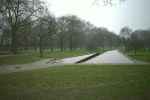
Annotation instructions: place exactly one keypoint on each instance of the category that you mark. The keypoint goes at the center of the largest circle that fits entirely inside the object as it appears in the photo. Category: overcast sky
(132, 13)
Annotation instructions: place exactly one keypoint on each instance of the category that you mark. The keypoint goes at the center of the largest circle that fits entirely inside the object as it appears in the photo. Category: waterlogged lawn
(78, 82)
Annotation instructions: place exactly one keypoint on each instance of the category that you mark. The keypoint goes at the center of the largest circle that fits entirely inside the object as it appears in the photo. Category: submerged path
(112, 57)
(41, 64)
(109, 57)
(73, 60)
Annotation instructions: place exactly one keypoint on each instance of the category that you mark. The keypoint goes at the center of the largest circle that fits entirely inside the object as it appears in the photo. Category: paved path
(112, 57)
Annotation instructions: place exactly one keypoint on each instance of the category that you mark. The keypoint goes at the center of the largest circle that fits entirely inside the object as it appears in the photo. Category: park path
(112, 57)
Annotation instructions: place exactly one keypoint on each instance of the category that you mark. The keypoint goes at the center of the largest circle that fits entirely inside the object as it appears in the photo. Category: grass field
(34, 56)
(78, 82)
(18, 59)
(140, 55)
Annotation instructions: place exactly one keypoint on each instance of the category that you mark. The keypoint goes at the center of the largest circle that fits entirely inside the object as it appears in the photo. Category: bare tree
(52, 29)
(15, 14)
(125, 35)
(62, 29)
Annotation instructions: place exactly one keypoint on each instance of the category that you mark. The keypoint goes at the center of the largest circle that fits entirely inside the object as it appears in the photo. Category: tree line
(27, 24)
(135, 40)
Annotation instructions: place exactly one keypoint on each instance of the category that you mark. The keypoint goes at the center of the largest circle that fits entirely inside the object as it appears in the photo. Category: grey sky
(132, 13)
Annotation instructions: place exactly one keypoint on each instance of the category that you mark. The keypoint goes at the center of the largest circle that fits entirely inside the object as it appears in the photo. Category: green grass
(18, 59)
(78, 82)
(34, 56)
(140, 55)
(64, 54)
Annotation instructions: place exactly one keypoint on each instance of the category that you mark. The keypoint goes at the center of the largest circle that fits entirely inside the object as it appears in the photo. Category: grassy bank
(140, 55)
(28, 57)
(78, 82)
(31, 56)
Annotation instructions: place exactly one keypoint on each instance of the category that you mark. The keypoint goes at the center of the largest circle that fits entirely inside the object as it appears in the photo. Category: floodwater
(73, 60)
(110, 57)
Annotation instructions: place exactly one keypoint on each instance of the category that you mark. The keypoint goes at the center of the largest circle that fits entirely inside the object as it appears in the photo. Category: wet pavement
(111, 57)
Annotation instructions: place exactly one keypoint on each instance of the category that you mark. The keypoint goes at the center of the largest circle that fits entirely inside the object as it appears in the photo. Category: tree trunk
(71, 43)
(52, 49)
(14, 46)
(61, 45)
(1, 42)
(52, 45)
(35, 48)
(134, 51)
(40, 46)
